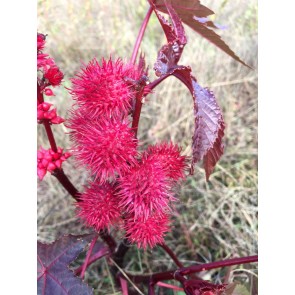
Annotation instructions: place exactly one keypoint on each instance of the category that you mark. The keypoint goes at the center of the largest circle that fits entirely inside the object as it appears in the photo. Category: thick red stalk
(177, 273)
(92, 259)
(172, 255)
(85, 264)
(137, 111)
(140, 35)
(46, 124)
(66, 183)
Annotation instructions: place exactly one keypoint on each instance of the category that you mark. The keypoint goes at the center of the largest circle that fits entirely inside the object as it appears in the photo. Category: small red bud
(57, 120)
(48, 157)
(40, 115)
(48, 92)
(44, 163)
(56, 156)
(58, 163)
(41, 173)
(67, 155)
(51, 167)
(46, 106)
(40, 154)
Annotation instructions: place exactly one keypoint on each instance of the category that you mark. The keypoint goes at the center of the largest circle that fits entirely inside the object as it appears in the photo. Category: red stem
(140, 35)
(85, 264)
(172, 255)
(108, 239)
(46, 123)
(50, 135)
(66, 183)
(92, 259)
(177, 273)
(137, 111)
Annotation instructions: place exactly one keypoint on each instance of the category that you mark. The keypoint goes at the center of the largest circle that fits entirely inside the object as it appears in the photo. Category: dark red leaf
(209, 128)
(167, 59)
(167, 27)
(189, 11)
(177, 23)
(54, 275)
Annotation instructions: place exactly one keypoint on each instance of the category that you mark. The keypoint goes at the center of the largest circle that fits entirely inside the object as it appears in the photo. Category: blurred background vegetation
(214, 220)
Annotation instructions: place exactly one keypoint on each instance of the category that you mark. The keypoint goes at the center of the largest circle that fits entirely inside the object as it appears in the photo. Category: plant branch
(118, 257)
(108, 239)
(92, 259)
(66, 183)
(177, 273)
(140, 35)
(137, 110)
(172, 255)
(85, 264)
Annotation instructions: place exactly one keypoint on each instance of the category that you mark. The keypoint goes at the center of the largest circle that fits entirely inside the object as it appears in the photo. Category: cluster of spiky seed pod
(128, 188)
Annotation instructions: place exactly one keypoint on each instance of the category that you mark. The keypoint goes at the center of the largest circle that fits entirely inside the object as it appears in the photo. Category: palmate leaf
(192, 12)
(54, 276)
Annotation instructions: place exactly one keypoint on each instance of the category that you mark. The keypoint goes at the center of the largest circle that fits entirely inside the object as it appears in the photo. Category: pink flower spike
(99, 206)
(48, 92)
(48, 160)
(44, 112)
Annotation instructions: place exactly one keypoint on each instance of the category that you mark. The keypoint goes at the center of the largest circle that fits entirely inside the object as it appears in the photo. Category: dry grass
(215, 220)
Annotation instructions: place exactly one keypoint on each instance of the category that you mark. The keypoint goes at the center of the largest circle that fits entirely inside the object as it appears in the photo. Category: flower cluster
(48, 160)
(130, 188)
(44, 112)
(49, 75)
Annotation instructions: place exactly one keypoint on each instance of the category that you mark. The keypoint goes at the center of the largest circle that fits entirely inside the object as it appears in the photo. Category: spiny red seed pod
(98, 206)
(146, 231)
(48, 160)
(201, 287)
(103, 89)
(105, 146)
(145, 190)
(169, 155)
(53, 75)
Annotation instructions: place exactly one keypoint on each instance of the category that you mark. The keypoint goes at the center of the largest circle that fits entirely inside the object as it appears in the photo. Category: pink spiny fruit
(98, 206)
(103, 90)
(201, 287)
(146, 231)
(105, 146)
(168, 154)
(145, 189)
